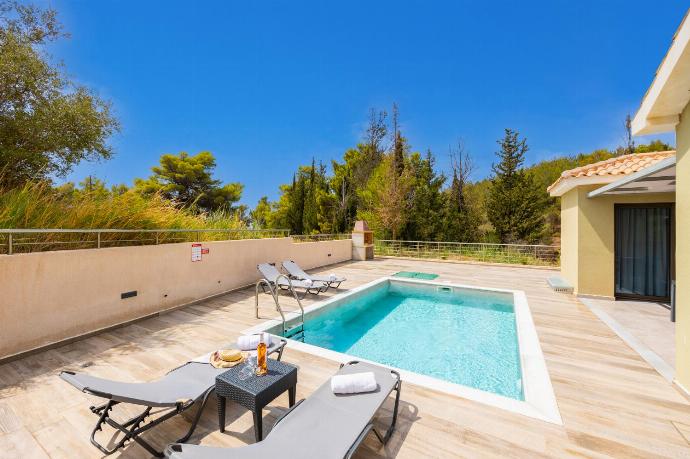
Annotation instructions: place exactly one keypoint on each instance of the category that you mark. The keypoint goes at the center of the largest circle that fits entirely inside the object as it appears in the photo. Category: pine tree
(515, 205)
(188, 181)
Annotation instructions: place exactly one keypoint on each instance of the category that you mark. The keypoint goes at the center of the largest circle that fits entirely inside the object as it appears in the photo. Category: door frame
(672, 249)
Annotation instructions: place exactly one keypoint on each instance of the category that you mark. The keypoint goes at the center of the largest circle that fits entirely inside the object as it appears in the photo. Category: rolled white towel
(308, 282)
(353, 383)
(250, 342)
(332, 276)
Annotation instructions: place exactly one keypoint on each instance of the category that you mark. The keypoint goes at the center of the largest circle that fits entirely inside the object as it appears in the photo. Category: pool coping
(540, 400)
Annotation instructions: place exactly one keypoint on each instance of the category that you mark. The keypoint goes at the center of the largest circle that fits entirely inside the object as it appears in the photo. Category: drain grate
(415, 275)
(558, 284)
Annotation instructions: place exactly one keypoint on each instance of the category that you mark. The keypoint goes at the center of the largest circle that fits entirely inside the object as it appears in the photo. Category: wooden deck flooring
(612, 403)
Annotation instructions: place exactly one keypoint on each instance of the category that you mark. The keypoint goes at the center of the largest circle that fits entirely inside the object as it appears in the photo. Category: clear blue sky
(266, 86)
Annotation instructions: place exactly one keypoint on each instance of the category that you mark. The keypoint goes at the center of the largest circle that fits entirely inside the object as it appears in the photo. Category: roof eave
(658, 125)
(650, 117)
(567, 184)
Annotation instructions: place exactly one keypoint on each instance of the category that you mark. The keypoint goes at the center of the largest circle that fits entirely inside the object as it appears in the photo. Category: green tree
(310, 218)
(89, 188)
(460, 218)
(425, 221)
(344, 186)
(93, 187)
(306, 206)
(399, 144)
(188, 181)
(48, 123)
(399, 154)
(278, 218)
(386, 199)
(354, 172)
(119, 189)
(515, 206)
(295, 200)
(261, 214)
(654, 145)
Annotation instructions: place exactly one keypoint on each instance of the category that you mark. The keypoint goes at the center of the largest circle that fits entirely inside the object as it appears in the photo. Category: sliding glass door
(643, 251)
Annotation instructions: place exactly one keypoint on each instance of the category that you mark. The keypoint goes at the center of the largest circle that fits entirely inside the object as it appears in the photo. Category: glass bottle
(261, 365)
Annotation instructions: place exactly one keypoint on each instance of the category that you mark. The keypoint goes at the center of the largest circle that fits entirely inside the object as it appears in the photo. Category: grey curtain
(643, 251)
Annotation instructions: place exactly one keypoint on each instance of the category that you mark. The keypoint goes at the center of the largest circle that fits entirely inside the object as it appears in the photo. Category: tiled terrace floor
(612, 403)
(648, 322)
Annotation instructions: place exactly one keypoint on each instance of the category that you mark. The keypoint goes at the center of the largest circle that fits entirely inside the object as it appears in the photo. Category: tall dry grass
(39, 205)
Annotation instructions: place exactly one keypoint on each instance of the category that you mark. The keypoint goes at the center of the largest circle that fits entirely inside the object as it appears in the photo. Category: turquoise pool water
(464, 336)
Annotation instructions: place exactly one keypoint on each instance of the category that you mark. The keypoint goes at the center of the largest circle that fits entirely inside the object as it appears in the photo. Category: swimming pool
(474, 342)
(464, 336)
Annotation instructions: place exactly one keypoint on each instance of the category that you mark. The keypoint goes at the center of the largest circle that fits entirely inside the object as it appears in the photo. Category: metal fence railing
(15, 241)
(320, 237)
(543, 255)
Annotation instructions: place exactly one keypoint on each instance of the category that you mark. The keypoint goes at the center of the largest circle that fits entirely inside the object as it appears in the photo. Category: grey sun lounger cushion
(271, 274)
(323, 426)
(295, 271)
(183, 384)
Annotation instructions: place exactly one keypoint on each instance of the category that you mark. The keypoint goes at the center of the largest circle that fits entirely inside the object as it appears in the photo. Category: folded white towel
(250, 342)
(332, 276)
(354, 383)
(308, 282)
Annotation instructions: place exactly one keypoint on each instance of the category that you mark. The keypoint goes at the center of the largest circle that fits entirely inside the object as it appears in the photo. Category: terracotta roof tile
(620, 165)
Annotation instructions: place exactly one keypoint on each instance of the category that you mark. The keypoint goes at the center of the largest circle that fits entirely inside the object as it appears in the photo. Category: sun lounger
(325, 425)
(275, 277)
(186, 386)
(298, 273)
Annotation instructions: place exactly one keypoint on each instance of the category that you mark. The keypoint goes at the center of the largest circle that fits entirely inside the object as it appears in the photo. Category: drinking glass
(246, 372)
(248, 369)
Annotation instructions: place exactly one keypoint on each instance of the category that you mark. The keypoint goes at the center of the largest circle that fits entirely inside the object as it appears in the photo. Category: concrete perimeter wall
(53, 296)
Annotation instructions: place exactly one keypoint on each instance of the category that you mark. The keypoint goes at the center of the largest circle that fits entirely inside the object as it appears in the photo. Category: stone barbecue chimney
(362, 241)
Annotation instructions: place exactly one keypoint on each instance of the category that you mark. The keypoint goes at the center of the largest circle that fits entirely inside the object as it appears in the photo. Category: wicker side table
(256, 392)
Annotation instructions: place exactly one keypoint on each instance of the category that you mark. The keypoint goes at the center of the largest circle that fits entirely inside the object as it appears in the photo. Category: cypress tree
(398, 145)
(399, 154)
(295, 215)
(311, 222)
(515, 205)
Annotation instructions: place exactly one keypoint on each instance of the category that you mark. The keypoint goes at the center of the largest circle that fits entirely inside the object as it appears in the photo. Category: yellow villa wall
(587, 238)
(683, 250)
(569, 239)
